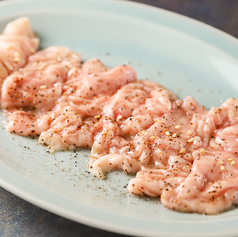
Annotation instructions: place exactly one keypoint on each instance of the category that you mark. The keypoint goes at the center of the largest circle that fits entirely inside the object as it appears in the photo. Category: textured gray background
(20, 218)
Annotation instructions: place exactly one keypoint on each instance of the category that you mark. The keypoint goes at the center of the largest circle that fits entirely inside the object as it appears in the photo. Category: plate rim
(16, 186)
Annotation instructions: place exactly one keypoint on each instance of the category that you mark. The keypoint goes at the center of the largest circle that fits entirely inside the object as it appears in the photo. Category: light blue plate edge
(41, 196)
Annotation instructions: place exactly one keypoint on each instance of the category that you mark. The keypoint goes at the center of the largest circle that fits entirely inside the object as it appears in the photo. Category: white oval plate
(186, 56)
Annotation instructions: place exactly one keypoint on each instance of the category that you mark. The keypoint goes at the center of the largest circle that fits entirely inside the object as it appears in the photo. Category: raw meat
(176, 148)
(17, 43)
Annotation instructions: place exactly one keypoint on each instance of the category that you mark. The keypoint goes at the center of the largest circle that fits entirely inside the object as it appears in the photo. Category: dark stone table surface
(20, 218)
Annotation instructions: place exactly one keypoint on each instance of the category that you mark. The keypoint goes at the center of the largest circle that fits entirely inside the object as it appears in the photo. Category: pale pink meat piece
(129, 114)
(210, 188)
(110, 151)
(27, 123)
(141, 131)
(140, 98)
(202, 177)
(20, 26)
(85, 92)
(112, 162)
(17, 43)
(36, 87)
(39, 84)
(154, 182)
(67, 130)
(86, 85)
(94, 65)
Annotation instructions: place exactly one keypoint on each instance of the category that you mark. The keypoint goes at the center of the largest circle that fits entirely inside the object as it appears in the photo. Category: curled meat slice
(17, 43)
(107, 163)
